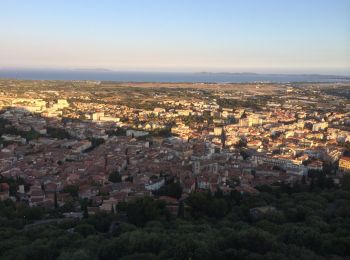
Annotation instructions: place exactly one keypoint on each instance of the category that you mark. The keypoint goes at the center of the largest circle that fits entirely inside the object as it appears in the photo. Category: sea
(200, 77)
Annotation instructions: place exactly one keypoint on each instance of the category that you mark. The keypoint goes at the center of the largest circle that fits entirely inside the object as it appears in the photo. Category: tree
(303, 180)
(31, 135)
(85, 229)
(32, 213)
(79, 254)
(181, 212)
(73, 190)
(204, 204)
(173, 190)
(118, 132)
(58, 133)
(346, 182)
(55, 201)
(85, 213)
(95, 142)
(101, 221)
(219, 193)
(218, 208)
(146, 209)
(115, 177)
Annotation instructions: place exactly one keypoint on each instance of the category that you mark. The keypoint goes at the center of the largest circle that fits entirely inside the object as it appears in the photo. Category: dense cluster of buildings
(207, 146)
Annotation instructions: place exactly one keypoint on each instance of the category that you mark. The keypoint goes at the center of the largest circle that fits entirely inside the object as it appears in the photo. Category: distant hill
(275, 75)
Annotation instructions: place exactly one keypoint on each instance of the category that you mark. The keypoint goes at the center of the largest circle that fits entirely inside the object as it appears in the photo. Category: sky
(263, 36)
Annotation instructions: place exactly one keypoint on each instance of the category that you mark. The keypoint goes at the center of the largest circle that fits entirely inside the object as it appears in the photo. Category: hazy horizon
(142, 76)
(107, 70)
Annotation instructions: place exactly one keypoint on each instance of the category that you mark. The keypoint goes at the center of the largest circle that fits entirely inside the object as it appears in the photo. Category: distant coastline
(173, 77)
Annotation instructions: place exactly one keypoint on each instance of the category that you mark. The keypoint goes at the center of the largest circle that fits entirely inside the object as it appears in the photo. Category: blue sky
(280, 36)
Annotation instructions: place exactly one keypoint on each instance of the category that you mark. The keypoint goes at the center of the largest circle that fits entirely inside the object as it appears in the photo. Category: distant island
(274, 74)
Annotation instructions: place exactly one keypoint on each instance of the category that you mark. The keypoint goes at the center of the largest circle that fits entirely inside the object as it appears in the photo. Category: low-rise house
(36, 195)
(155, 184)
(109, 205)
(87, 192)
(4, 191)
(81, 146)
(344, 164)
(172, 204)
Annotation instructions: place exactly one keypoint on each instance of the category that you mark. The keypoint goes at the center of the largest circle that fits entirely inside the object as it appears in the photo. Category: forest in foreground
(303, 222)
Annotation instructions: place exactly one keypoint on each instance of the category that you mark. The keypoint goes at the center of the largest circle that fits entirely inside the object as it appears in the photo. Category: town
(175, 130)
(109, 143)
